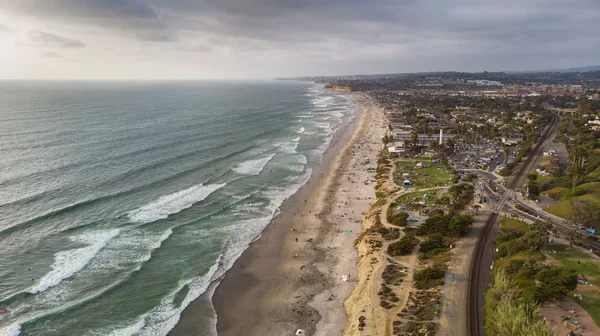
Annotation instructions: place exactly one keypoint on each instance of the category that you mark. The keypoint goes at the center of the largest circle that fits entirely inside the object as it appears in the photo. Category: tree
(579, 155)
(402, 247)
(460, 225)
(435, 241)
(533, 189)
(555, 282)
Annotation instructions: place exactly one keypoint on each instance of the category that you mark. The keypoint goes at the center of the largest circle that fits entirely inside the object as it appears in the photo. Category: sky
(223, 39)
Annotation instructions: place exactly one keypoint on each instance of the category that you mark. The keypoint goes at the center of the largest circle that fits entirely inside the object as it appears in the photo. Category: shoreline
(284, 280)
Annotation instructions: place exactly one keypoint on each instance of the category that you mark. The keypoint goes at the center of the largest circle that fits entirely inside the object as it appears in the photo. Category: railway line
(474, 302)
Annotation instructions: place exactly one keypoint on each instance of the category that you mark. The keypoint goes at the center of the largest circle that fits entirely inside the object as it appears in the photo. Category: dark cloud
(135, 18)
(41, 38)
(352, 31)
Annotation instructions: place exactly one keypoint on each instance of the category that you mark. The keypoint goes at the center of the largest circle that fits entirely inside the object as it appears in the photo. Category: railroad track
(475, 273)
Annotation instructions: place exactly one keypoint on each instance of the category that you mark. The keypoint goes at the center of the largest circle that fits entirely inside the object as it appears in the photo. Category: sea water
(121, 202)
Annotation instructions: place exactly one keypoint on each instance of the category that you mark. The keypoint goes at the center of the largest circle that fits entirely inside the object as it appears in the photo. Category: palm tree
(578, 157)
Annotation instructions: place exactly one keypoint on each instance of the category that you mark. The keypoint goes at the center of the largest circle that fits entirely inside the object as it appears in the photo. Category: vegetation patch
(404, 246)
(426, 175)
(562, 209)
(589, 268)
(447, 225)
(430, 277)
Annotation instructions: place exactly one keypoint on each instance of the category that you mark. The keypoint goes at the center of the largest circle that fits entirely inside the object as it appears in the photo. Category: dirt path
(453, 319)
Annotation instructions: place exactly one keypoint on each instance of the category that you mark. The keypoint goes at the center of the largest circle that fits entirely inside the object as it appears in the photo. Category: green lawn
(417, 196)
(511, 224)
(436, 175)
(564, 207)
(561, 209)
(594, 174)
(541, 179)
(519, 256)
(590, 269)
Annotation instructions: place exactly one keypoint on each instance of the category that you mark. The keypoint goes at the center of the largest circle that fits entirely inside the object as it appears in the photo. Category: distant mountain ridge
(577, 69)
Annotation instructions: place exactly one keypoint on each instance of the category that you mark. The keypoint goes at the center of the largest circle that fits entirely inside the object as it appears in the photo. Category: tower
(441, 136)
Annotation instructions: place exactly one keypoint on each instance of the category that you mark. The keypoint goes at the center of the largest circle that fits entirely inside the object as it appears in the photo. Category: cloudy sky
(189, 39)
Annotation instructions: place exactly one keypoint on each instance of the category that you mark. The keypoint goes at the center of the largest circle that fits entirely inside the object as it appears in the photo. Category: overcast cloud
(267, 38)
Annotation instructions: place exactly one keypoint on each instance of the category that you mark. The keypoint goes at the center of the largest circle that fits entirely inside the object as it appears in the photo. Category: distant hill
(582, 69)
(569, 70)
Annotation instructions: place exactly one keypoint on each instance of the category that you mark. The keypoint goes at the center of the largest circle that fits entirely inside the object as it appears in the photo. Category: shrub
(402, 247)
(555, 282)
(400, 219)
(577, 191)
(430, 277)
(435, 241)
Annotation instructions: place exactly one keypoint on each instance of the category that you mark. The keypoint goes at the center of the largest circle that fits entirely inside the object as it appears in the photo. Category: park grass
(592, 193)
(436, 175)
(594, 174)
(541, 179)
(590, 269)
(511, 224)
(519, 256)
(433, 193)
(562, 209)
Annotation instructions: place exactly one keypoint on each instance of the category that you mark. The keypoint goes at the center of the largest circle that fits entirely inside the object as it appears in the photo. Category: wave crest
(173, 203)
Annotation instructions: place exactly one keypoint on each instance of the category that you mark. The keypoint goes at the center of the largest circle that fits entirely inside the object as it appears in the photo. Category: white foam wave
(163, 318)
(295, 168)
(296, 139)
(305, 116)
(288, 147)
(67, 263)
(299, 120)
(252, 167)
(301, 130)
(129, 330)
(301, 159)
(336, 114)
(11, 330)
(323, 125)
(322, 100)
(173, 203)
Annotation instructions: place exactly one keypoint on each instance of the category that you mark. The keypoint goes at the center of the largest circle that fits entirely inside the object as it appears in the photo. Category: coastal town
(485, 208)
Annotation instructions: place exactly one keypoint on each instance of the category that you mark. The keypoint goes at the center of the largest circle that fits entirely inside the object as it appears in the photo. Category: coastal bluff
(339, 88)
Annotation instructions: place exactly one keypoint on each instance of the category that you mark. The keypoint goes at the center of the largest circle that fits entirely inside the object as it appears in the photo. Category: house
(396, 147)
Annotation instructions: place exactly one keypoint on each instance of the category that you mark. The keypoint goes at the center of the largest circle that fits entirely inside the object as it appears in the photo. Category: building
(423, 140)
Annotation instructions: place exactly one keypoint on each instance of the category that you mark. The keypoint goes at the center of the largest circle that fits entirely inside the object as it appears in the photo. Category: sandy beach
(302, 268)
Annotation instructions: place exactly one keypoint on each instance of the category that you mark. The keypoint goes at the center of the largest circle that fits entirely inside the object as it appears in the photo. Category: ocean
(122, 202)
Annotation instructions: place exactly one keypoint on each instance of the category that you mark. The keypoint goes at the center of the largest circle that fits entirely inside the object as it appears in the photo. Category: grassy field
(590, 269)
(562, 209)
(594, 174)
(436, 175)
(417, 196)
(511, 224)
(541, 179)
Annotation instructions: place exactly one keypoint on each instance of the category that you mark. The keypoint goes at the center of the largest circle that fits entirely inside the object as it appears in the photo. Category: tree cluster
(446, 225)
